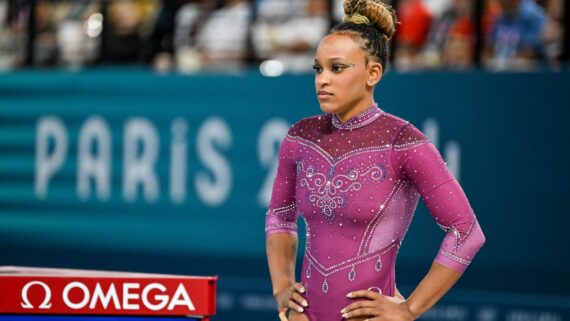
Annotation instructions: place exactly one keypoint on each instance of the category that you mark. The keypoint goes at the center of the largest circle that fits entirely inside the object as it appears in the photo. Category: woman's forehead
(338, 47)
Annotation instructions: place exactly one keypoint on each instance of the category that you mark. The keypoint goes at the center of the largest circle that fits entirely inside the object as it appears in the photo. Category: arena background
(210, 143)
(121, 168)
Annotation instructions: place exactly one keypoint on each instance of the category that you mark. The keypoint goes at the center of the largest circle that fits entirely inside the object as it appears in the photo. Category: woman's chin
(327, 107)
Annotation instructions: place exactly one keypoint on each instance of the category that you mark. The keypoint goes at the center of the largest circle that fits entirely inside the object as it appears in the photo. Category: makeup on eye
(335, 67)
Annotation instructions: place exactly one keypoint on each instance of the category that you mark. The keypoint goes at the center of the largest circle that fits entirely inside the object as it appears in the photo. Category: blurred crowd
(276, 35)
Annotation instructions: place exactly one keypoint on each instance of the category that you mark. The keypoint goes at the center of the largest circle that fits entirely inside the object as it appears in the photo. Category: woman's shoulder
(393, 119)
(404, 131)
(310, 124)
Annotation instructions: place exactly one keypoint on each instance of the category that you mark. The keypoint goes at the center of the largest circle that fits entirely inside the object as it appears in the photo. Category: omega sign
(153, 296)
(119, 296)
(30, 290)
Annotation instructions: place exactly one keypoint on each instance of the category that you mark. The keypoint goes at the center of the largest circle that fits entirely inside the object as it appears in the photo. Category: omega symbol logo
(46, 304)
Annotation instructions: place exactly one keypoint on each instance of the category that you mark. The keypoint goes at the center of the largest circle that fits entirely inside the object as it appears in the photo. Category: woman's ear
(374, 73)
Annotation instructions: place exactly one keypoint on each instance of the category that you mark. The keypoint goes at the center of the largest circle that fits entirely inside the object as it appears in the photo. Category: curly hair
(371, 23)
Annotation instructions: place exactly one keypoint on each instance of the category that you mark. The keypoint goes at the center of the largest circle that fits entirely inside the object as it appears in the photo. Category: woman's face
(342, 77)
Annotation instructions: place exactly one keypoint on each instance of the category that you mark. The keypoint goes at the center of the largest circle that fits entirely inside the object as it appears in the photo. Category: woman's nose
(323, 80)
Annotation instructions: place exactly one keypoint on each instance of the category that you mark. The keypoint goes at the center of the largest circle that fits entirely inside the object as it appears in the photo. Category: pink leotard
(357, 185)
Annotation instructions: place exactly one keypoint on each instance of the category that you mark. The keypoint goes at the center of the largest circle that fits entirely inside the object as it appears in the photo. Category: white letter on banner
(46, 165)
(139, 167)
(213, 192)
(83, 288)
(270, 138)
(159, 297)
(181, 297)
(95, 132)
(105, 299)
(128, 296)
(178, 156)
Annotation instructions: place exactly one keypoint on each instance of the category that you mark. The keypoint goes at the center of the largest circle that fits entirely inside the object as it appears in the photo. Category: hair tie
(357, 18)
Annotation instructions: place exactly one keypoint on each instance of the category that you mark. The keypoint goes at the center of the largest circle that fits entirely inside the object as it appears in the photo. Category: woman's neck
(345, 116)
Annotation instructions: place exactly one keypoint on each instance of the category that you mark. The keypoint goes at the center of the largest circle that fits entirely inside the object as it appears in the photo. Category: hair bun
(377, 13)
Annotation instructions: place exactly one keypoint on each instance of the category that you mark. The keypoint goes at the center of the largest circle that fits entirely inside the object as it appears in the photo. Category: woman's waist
(371, 270)
(331, 259)
(328, 293)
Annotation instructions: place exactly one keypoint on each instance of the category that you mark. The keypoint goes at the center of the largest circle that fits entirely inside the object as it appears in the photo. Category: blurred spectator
(45, 43)
(160, 43)
(278, 11)
(415, 21)
(66, 33)
(78, 25)
(516, 37)
(13, 27)
(197, 35)
(553, 35)
(130, 25)
(293, 42)
(338, 10)
(438, 7)
(450, 42)
(188, 22)
(492, 13)
(173, 40)
(221, 42)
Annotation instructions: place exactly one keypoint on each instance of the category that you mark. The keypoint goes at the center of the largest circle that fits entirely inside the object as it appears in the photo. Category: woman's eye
(337, 68)
(317, 69)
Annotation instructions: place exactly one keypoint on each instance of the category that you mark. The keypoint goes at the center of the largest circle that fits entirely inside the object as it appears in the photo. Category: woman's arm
(434, 285)
(281, 232)
(281, 251)
(416, 160)
(281, 256)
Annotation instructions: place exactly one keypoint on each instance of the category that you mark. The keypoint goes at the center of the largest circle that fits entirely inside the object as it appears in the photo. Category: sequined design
(348, 264)
(281, 218)
(328, 192)
(363, 254)
(357, 185)
(360, 120)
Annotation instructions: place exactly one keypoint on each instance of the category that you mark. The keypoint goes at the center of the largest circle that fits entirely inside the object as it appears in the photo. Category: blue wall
(216, 138)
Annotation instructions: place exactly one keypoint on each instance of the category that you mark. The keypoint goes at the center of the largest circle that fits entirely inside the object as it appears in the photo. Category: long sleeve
(416, 159)
(282, 213)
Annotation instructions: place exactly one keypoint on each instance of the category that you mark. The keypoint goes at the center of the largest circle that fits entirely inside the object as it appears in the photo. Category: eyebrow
(334, 59)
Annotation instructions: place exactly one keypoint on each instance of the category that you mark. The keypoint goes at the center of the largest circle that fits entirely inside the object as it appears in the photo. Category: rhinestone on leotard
(325, 286)
(352, 274)
(378, 264)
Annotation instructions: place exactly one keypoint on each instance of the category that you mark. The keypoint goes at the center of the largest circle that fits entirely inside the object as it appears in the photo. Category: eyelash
(318, 69)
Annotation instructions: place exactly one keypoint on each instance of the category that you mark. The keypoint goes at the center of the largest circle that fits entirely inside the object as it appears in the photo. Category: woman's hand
(378, 307)
(291, 298)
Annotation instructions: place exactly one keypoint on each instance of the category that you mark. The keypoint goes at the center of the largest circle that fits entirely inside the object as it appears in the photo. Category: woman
(355, 175)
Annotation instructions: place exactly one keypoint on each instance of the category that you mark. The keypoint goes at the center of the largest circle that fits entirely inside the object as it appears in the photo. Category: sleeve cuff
(280, 230)
(451, 262)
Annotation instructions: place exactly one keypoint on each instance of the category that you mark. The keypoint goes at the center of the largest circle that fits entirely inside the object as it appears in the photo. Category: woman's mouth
(323, 94)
